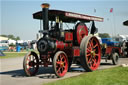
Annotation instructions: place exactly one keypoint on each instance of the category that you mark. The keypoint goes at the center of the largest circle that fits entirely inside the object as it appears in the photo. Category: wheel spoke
(91, 43)
(94, 63)
(91, 64)
(27, 64)
(97, 54)
(88, 51)
(28, 59)
(94, 50)
(62, 69)
(58, 71)
(64, 62)
(62, 58)
(95, 46)
(89, 59)
(88, 55)
(28, 68)
(59, 58)
(58, 62)
(57, 66)
(94, 60)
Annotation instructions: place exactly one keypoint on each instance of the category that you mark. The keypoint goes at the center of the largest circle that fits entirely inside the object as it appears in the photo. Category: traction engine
(60, 47)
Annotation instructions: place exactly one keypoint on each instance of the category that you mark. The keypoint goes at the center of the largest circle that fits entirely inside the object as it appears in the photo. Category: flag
(111, 10)
(94, 10)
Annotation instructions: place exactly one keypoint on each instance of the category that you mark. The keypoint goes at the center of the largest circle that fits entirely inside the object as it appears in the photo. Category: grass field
(13, 54)
(113, 76)
(16, 54)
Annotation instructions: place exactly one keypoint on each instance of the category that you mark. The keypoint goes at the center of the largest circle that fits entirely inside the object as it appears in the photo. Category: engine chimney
(45, 7)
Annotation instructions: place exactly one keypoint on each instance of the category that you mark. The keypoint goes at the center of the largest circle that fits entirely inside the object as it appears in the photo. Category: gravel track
(11, 72)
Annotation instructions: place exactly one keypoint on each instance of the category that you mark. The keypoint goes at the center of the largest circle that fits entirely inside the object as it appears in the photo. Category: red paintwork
(93, 60)
(109, 49)
(81, 16)
(82, 31)
(68, 36)
(61, 45)
(76, 51)
(62, 65)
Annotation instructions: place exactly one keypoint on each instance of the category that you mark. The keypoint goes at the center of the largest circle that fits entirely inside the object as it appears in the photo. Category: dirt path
(11, 72)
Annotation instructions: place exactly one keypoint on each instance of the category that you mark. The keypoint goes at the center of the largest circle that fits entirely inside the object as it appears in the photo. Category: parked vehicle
(124, 48)
(4, 45)
(111, 50)
(58, 47)
(110, 42)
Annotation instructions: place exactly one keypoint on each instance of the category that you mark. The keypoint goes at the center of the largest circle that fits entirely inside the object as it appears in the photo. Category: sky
(16, 15)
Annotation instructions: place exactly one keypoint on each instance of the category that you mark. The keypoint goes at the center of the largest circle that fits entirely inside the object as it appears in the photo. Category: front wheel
(31, 64)
(60, 64)
(115, 58)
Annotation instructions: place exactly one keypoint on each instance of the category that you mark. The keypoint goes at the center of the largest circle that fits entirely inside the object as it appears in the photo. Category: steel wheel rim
(93, 53)
(31, 64)
(61, 64)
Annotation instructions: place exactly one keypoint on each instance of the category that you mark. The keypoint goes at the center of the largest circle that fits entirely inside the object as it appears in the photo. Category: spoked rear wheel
(60, 64)
(90, 53)
(31, 64)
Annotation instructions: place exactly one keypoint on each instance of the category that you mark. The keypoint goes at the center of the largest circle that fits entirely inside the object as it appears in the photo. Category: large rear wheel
(90, 53)
(60, 64)
(31, 64)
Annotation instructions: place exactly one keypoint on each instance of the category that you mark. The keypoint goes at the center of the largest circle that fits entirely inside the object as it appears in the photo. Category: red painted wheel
(90, 53)
(31, 64)
(60, 64)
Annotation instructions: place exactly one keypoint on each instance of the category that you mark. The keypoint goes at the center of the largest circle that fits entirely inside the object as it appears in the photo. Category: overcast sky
(16, 15)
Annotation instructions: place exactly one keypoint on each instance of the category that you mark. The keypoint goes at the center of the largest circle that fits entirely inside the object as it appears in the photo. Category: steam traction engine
(60, 47)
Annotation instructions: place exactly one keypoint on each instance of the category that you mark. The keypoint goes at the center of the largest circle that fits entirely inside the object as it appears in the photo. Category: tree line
(104, 35)
(11, 37)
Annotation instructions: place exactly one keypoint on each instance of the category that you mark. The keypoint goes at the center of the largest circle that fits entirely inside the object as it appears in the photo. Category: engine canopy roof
(68, 17)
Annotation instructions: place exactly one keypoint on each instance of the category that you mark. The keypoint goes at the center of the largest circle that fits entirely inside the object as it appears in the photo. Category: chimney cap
(45, 5)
